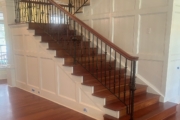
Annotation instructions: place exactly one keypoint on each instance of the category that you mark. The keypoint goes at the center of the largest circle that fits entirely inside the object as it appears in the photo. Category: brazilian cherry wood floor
(16, 104)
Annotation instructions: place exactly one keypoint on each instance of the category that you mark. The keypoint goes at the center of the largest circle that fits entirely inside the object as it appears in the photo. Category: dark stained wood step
(99, 74)
(79, 51)
(54, 33)
(94, 82)
(81, 58)
(37, 26)
(110, 98)
(141, 101)
(158, 111)
(62, 39)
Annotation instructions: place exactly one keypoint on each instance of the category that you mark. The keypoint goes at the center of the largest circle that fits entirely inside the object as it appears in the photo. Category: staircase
(110, 70)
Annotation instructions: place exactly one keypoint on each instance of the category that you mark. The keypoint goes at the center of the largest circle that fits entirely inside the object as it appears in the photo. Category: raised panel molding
(123, 5)
(153, 3)
(152, 34)
(101, 6)
(102, 26)
(85, 100)
(124, 32)
(20, 68)
(48, 82)
(175, 39)
(153, 73)
(18, 42)
(30, 45)
(33, 71)
(87, 22)
(177, 2)
(67, 88)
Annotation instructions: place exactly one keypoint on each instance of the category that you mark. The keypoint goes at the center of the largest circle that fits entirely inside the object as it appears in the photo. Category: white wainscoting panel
(102, 26)
(33, 71)
(154, 71)
(153, 3)
(31, 45)
(102, 7)
(18, 42)
(48, 75)
(152, 34)
(124, 32)
(20, 68)
(123, 5)
(67, 87)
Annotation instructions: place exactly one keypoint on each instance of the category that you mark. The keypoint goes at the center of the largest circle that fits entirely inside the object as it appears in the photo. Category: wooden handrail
(116, 48)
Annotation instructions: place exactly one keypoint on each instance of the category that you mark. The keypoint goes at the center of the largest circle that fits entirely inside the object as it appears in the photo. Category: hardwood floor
(16, 104)
(177, 116)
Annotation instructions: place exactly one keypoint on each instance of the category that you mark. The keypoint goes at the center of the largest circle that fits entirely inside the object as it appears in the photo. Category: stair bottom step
(158, 111)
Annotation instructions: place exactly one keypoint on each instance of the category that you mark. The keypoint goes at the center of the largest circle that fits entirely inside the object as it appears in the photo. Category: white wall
(39, 72)
(3, 73)
(7, 7)
(173, 76)
(141, 28)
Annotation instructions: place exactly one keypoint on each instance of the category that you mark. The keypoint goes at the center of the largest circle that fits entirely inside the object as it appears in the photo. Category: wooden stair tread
(107, 93)
(138, 86)
(80, 73)
(116, 106)
(149, 113)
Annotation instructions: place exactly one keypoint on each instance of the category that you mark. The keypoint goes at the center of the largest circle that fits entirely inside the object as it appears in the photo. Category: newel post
(132, 90)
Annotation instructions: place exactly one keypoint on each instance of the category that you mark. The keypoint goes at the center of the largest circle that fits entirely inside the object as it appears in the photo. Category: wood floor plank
(16, 104)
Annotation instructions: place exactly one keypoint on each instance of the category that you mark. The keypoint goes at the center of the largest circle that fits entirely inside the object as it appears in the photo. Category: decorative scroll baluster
(115, 73)
(89, 51)
(93, 54)
(119, 76)
(125, 80)
(105, 64)
(97, 61)
(101, 61)
(110, 70)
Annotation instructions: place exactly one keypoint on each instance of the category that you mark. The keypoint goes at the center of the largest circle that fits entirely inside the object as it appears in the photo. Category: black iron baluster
(75, 40)
(85, 53)
(97, 60)
(22, 10)
(115, 73)
(82, 43)
(43, 18)
(132, 89)
(33, 15)
(110, 70)
(89, 51)
(93, 54)
(130, 83)
(125, 80)
(101, 61)
(36, 13)
(119, 76)
(58, 26)
(105, 62)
